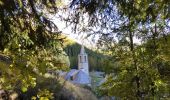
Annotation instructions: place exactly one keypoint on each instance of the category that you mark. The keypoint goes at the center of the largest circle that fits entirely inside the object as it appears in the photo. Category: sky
(80, 38)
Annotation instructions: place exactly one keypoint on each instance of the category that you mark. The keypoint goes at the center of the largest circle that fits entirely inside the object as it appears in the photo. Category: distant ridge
(72, 48)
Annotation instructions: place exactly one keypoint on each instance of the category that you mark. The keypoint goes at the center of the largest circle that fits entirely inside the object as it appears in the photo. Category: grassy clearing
(75, 92)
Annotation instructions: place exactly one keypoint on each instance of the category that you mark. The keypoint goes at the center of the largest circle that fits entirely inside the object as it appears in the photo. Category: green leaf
(24, 89)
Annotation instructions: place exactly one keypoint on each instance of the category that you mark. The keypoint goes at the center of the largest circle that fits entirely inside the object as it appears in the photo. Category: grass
(76, 92)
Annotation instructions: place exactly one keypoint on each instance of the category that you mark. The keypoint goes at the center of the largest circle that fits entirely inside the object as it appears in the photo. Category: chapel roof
(80, 77)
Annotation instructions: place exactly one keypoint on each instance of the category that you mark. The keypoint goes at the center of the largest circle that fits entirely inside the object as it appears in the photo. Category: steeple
(82, 51)
(83, 61)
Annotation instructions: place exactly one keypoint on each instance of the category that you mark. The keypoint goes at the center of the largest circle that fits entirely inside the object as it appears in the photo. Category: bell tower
(83, 61)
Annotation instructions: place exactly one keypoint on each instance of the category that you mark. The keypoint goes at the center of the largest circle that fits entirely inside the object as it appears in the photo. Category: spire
(83, 61)
(82, 50)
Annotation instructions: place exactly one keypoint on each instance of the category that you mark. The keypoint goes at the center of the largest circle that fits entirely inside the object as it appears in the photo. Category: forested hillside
(72, 49)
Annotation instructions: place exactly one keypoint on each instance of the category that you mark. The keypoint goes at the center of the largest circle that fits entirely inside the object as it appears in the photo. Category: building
(80, 75)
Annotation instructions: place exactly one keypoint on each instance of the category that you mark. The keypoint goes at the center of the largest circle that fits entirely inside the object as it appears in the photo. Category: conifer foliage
(29, 42)
(135, 71)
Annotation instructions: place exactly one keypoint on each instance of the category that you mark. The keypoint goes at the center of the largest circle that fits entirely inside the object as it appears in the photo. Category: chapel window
(85, 58)
(71, 78)
(80, 59)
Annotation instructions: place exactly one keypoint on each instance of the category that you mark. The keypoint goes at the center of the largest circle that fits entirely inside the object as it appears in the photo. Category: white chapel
(80, 75)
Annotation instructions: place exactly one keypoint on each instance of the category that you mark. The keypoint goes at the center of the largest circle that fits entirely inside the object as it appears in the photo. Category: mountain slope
(72, 48)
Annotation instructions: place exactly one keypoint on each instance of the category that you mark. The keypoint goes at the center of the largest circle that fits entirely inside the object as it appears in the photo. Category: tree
(30, 41)
(146, 20)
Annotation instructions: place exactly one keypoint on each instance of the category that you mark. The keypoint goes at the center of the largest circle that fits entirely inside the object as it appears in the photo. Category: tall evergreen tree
(137, 69)
(29, 42)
